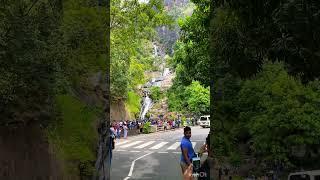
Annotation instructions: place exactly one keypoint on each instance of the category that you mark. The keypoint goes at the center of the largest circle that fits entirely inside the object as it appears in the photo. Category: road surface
(153, 156)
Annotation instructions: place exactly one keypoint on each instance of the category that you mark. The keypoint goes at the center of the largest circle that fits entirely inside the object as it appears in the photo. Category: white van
(305, 175)
(204, 121)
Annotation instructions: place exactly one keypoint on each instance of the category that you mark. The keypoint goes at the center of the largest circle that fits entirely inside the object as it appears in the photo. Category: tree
(280, 112)
(132, 30)
(28, 31)
(198, 98)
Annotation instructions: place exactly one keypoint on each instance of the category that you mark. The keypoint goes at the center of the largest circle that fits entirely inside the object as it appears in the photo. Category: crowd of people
(121, 128)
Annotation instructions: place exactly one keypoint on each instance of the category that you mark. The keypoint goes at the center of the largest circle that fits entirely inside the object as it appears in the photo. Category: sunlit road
(152, 156)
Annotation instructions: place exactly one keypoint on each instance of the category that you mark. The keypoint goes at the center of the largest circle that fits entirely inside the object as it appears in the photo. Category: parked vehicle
(305, 175)
(204, 121)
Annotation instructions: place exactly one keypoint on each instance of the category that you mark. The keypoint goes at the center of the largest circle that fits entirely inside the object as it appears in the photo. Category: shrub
(147, 128)
(155, 93)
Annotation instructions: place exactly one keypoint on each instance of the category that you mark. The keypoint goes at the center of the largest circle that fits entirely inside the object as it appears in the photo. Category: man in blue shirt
(187, 152)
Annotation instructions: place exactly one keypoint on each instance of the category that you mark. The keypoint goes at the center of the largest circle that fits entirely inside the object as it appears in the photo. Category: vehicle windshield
(300, 177)
(203, 118)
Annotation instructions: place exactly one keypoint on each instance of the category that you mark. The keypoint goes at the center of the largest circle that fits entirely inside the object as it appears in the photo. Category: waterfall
(165, 72)
(147, 103)
(155, 50)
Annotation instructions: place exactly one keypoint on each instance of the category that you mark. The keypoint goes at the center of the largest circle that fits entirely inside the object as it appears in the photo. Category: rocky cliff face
(25, 154)
(118, 111)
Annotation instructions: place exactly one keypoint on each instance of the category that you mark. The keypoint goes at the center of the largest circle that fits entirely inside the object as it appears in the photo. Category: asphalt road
(153, 156)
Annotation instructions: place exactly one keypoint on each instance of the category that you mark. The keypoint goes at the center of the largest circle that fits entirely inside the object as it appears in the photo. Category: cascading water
(147, 103)
(165, 72)
(155, 50)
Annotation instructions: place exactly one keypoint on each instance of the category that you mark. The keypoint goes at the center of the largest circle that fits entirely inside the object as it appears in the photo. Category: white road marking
(144, 145)
(176, 152)
(131, 144)
(158, 145)
(119, 143)
(174, 146)
(134, 151)
(132, 165)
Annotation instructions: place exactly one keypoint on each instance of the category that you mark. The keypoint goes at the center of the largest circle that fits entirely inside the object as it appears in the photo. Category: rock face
(161, 107)
(25, 154)
(118, 111)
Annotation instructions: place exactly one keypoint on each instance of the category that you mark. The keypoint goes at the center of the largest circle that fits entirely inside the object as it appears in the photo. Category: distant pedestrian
(125, 131)
(118, 130)
(165, 125)
(141, 127)
(173, 124)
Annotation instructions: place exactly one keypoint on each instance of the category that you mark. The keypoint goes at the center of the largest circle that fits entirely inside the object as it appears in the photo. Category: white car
(204, 121)
(305, 175)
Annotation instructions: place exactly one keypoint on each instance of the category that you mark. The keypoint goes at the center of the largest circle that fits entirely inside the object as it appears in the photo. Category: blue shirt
(186, 144)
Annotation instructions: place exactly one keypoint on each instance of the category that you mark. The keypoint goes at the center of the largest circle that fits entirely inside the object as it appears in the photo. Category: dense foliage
(132, 31)
(281, 114)
(28, 35)
(193, 99)
(53, 57)
(269, 111)
(155, 93)
(268, 107)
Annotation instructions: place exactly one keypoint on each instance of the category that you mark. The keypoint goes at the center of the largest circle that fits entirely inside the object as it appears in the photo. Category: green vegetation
(155, 93)
(147, 128)
(198, 98)
(275, 100)
(260, 60)
(74, 136)
(257, 102)
(193, 99)
(132, 32)
(28, 60)
(133, 104)
(53, 60)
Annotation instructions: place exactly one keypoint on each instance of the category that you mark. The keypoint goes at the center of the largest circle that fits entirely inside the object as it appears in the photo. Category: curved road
(152, 156)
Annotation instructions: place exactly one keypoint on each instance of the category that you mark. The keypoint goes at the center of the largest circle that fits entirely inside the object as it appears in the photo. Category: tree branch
(32, 5)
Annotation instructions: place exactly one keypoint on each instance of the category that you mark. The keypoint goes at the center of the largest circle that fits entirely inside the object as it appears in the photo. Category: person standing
(112, 143)
(125, 131)
(165, 124)
(141, 128)
(187, 151)
(118, 131)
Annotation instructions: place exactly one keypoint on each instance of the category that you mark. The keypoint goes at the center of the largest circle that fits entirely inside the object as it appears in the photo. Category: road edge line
(132, 165)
